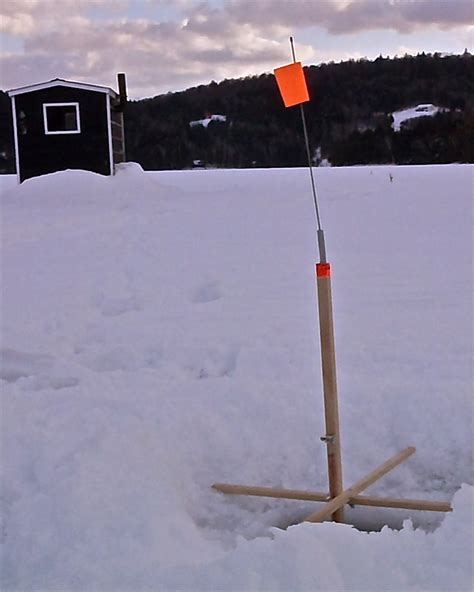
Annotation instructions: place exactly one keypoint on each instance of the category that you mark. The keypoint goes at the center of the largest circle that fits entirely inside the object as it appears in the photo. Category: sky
(170, 45)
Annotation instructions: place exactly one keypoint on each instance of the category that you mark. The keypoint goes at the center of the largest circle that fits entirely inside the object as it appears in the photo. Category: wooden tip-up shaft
(360, 485)
(319, 496)
(328, 362)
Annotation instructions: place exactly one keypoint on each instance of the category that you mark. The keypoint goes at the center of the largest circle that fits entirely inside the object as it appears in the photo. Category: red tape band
(323, 270)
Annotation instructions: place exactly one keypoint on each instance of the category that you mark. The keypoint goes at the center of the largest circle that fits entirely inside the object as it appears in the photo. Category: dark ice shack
(62, 125)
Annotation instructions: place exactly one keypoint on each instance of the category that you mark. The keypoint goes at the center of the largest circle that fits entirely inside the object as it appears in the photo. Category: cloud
(401, 15)
(170, 44)
(352, 16)
(157, 55)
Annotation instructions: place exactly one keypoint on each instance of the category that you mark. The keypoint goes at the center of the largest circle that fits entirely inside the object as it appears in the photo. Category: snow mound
(129, 169)
(336, 557)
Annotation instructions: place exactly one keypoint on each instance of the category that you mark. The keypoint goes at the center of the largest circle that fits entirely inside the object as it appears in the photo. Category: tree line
(349, 118)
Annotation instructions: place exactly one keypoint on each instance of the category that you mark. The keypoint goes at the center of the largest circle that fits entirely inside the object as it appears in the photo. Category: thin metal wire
(293, 49)
(308, 151)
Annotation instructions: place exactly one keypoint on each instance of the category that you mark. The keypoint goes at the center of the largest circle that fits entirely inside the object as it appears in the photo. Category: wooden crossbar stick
(295, 494)
(319, 496)
(360, 485)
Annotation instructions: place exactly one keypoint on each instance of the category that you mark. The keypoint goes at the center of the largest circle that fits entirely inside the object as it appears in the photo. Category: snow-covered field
(159, 334)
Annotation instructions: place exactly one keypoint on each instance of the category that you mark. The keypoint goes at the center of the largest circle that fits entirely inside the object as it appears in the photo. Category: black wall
(40, 153)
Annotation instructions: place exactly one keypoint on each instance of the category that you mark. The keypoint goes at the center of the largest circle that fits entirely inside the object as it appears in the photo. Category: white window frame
(61, 132)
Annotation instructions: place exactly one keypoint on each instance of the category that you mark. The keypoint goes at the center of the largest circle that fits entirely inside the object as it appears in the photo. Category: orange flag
(292, 84)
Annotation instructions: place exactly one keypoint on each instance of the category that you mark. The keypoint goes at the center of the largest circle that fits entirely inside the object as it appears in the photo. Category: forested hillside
(349, 118)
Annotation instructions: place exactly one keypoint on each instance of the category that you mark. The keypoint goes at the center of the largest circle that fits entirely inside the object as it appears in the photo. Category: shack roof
(60, 82)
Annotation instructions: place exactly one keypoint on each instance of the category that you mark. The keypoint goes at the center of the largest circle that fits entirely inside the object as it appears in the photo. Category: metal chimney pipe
(122, 87)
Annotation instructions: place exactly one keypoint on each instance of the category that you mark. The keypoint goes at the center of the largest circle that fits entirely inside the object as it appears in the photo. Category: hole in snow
(208, 292)
(16, 364)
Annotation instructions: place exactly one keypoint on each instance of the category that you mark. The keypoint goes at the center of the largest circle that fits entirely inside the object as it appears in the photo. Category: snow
(423, 110)
(159, 334)
(207, 120)
(318, 159)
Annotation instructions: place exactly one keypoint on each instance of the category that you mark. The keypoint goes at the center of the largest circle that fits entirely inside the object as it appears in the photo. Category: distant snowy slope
(159, 334)
(424, 110)
(207, 120)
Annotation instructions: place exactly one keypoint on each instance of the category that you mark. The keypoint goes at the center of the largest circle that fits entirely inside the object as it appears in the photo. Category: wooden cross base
(348, 496)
